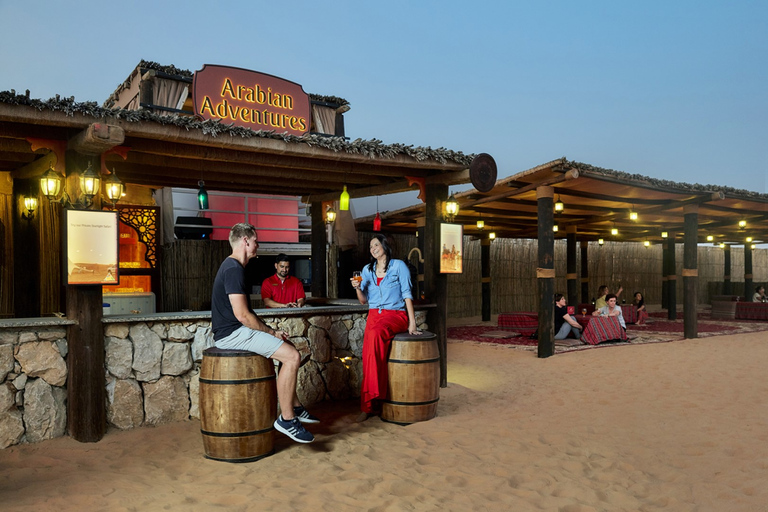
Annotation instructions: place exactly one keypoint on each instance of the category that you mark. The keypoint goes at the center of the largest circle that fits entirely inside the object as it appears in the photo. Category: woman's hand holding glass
(356, 279)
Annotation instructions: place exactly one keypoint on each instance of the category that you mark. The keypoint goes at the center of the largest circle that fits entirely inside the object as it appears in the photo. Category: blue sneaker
(293, 429)
(304, 416)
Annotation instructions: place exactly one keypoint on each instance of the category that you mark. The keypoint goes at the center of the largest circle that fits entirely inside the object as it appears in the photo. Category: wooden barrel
(414, 379)
(238, 404)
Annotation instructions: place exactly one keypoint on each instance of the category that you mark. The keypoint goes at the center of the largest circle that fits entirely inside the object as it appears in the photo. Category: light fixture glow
(710, 238)
(492, 235)
(202, 196)
(632, 215)
(480, 224)
(614, 231)
(722, 245)
(600, 241)
(50, 183)
(451, 207)
(89, 182)
(555, 228)
(114, 187)
(330, 215)
(647, 243)
(664, 234)
(344, 200)
(749, 239)
(559, 206)
(377, 222)
(742, 224)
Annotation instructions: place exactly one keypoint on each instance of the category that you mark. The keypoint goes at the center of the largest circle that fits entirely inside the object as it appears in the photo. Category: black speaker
(193, 228)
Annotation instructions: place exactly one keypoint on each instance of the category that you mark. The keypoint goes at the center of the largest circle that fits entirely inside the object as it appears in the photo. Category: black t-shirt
(560, 312)
(230, 279)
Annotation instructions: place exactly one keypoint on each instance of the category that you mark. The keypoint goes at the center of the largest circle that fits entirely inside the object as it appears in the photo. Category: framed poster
(451, 248)
(91, 247)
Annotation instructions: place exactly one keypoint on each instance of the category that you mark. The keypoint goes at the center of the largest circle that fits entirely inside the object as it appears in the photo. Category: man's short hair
(240, 230)
(282, 257)
(610, 296)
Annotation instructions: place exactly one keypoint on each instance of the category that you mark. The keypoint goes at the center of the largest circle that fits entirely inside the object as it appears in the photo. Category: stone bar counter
(152, 362)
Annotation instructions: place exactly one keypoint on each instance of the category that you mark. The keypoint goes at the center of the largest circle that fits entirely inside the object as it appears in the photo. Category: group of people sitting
(605, 305)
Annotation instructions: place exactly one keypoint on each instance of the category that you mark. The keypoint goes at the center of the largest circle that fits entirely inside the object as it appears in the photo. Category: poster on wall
(91, 247)
(451, 252)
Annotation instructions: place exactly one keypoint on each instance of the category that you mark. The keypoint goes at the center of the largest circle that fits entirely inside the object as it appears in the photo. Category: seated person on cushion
(612, 309)
(564, 323)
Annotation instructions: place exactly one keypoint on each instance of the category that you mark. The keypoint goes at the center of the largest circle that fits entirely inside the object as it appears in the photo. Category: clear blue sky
(675, 90)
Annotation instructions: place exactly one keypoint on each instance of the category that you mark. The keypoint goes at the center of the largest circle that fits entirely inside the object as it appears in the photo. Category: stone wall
(152, 370)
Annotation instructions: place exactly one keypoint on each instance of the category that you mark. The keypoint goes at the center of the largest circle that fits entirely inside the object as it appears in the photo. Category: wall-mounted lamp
(742, 224)
(451, 208)
(114, 187)
(664, 234)
(492, 235)
(51, 185)
(600, 241)
(344, 200)
(202, 196)
(330, 215)
(559, 206)
(30, 204)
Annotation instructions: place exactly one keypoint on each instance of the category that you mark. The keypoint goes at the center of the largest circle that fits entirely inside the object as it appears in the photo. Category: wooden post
(690, 271)
(319, 259)
(727, 269)
(664, 275)
(545, 272)
(671, 279)
(435, 283)
(86, 386)
(584, 272)
(420, 223)
(748, 283)
(485, 274)
(570, 264)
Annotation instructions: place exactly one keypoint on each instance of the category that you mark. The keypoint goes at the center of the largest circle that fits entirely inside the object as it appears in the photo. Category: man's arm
(271, 303)
(248, 318)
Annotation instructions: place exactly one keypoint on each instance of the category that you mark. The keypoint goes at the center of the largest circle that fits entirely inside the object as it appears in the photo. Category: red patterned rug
(489, 334)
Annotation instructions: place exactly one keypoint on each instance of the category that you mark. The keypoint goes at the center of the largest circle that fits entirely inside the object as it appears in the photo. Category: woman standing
(386, 288)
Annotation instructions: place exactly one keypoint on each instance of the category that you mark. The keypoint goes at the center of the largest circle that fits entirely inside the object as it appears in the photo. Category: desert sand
(670, 426)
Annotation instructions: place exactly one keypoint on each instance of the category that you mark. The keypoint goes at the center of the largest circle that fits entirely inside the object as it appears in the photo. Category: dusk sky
(675, 90)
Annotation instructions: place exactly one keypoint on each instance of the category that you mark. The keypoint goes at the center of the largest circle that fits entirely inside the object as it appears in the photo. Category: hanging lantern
(344, 200)
(50, 183)
(330, 215)
(202, 196)
(377, 222)
(600, 241)
(664, 234)
(492, 235)
(480, 224)
(89, 182)
(114, 187)
(451, 207)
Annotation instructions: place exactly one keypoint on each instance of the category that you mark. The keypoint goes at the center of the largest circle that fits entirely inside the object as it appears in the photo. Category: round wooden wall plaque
(482, 172)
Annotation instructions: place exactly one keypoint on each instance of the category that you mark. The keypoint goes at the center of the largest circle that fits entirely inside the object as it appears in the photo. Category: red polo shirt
(283, 292)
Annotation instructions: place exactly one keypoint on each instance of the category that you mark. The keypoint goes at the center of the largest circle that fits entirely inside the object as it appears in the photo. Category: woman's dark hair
(610, 296)
(757, 290)
(387, 250)
(635, 294)
(558, 296)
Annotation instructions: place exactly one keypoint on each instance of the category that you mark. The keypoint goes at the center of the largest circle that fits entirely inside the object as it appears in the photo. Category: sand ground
(672, 426)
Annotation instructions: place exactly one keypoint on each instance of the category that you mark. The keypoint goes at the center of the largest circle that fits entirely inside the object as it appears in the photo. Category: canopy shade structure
(595, 201)
(178, 151)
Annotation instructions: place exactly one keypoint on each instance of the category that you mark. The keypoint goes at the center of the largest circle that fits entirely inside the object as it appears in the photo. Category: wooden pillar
(485, 274)
(86, 386)
(671, 279)
(727, 270)
(420, 222)
(585, 272)
(748, 283)
(319, 258)
(545, 272)
(435, 283)
(664, 275)
(570, 266)
(691, 271)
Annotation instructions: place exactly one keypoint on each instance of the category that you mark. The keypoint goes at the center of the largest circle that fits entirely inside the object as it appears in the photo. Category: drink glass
(584, 311)
(357, 276)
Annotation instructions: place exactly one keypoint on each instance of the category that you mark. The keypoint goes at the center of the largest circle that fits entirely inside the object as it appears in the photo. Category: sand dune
(673, 426)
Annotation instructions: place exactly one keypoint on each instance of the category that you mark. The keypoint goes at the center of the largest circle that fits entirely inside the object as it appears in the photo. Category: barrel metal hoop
(407, 361)
(428, 402)
(243, 381)
(237, 434)
(246, 459)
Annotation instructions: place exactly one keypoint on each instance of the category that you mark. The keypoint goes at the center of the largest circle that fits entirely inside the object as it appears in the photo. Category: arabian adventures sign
(250, 99)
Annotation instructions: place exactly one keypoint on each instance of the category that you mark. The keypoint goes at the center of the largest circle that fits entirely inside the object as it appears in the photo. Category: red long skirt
(379, 331)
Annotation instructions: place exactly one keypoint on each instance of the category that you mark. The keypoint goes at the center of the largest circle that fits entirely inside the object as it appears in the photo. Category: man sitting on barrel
(236, 326)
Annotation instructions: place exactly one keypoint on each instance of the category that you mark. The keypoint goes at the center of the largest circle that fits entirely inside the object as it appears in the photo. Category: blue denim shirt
(393, 290)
